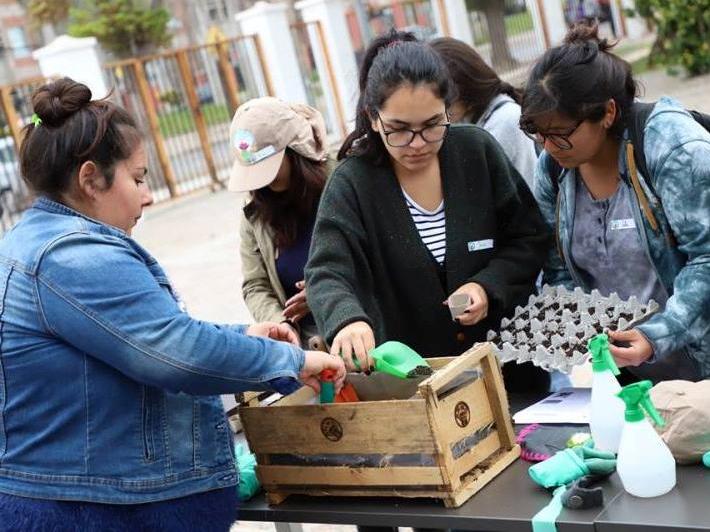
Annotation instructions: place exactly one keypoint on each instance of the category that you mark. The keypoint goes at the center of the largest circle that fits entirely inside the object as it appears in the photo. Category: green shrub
(683, 32)
(171, 97)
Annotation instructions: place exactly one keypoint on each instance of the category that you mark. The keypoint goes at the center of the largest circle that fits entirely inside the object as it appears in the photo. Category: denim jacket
(677, 151)
(108, 391)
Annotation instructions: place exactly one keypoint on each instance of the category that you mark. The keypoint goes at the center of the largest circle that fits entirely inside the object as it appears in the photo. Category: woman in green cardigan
(418, 210)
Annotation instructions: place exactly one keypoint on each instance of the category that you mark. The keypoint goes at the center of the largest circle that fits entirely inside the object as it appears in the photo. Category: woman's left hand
(478, 309)
(281, 332)
(297, 306)
(638, 351)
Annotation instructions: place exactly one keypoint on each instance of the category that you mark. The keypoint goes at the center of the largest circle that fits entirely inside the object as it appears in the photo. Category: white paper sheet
(569, 405)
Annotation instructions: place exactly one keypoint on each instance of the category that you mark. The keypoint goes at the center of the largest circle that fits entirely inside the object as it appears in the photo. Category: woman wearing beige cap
(280, 161)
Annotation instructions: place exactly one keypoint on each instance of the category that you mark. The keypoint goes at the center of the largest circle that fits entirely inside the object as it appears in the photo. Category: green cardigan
(367, 262)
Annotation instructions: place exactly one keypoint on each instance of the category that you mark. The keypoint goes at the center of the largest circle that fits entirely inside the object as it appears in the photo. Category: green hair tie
(36, 120)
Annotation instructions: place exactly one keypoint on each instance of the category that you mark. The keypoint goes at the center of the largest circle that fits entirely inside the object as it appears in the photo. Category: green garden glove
(571, 464)
(249, 485)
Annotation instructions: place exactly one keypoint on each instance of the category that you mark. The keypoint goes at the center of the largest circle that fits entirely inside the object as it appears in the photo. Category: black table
(506, 504)
(686, 507)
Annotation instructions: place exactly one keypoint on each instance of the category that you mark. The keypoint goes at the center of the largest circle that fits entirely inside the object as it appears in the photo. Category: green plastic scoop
(398, 360)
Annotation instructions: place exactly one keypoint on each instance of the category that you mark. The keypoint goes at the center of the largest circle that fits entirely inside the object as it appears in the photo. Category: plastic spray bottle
(606, 416)
(645, 464)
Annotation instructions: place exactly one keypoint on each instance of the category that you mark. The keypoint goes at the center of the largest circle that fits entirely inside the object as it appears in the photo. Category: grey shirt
(501, 119)
(607, 247)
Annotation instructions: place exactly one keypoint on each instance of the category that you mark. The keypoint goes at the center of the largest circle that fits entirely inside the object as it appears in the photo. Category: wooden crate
(431, 424)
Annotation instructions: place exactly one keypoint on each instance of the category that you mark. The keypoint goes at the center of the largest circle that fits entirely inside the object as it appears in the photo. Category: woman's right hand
(356, 338)
(317, 361)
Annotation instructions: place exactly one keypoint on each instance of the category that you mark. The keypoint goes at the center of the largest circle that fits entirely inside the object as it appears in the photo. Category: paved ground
(196, 240)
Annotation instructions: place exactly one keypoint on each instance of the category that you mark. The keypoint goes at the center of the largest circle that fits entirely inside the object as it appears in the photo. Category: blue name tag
(479, 245)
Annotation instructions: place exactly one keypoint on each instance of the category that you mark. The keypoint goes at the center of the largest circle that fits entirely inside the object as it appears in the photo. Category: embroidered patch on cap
(479, 245)
(243, 142)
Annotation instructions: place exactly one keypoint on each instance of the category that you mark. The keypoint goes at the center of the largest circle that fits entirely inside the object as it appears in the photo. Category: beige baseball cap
(260, 132)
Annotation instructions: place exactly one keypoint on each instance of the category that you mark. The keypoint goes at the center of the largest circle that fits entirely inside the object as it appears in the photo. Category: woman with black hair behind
(417, 210)
(284, 188)
(482, 98)
(110, 415)
(643, 233)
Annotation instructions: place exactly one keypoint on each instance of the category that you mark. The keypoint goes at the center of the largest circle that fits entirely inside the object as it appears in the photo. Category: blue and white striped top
(431, 226)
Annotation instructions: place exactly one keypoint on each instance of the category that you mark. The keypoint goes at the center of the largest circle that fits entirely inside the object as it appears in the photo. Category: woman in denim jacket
(109, 411)
(619, 230)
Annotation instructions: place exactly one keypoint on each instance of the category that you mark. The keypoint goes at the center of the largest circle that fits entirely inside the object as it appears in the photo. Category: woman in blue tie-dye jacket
(617, 229)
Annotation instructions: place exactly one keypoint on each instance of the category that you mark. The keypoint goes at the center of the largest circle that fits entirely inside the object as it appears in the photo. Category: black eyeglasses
(561, 140)
(404, 137)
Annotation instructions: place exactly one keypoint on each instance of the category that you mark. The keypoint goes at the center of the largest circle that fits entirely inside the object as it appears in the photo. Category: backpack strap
(636, 126)
(643, 200)
(701, 118)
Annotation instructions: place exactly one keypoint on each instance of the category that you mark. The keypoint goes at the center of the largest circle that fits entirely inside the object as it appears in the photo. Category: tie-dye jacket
(677, 151)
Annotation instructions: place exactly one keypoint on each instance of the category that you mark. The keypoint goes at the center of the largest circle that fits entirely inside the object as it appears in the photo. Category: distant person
(487, 101)
(618, 229)
(281, 162)
(606, 15)
(417, 210)
(110, 415)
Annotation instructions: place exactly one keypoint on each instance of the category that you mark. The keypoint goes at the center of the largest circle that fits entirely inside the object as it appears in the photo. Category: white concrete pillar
(270, 23)
(548, 14)
(75, 58)
(331, 16)
(453, 16)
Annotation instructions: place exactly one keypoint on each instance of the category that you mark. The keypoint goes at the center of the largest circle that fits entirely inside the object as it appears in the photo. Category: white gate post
(76, 58)
(330, 14)
(270, 23)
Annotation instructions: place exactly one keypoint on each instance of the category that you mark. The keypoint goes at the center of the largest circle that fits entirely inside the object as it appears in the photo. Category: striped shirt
(431, 226)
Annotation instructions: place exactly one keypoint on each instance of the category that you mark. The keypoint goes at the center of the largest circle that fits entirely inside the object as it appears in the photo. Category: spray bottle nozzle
(637, 400)
(601, 356)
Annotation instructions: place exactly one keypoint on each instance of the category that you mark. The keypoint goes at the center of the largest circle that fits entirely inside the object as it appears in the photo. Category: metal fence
(16, 107)
(314, 57)
(503, 33)
(186, 98)
(183, 99)
(505, 37)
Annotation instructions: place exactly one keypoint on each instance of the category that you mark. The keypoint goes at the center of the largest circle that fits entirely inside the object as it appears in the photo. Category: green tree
(51, 12)
(494, 11)
(121, 26)
(683, 32)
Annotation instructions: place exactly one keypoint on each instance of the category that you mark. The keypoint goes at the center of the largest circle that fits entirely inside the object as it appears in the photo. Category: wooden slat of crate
(437, 363)
(498, 399)
(453, 369)
(277, 476)
(477, 454)
(472, 394)
(380, 427)
(497, 463)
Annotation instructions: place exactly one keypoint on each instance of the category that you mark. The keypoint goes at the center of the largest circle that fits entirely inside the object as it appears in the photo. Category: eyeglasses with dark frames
(561, 140)
(400, 138)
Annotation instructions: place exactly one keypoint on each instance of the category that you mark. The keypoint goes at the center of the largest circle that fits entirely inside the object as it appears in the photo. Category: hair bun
(57, 101)
(583, 33)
